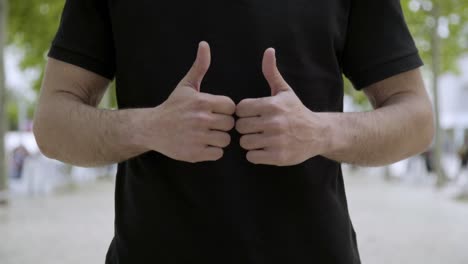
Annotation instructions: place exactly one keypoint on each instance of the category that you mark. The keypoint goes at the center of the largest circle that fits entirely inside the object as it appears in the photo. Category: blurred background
(415, 211)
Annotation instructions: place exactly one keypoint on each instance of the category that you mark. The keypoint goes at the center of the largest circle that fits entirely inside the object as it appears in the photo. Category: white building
(453, 94)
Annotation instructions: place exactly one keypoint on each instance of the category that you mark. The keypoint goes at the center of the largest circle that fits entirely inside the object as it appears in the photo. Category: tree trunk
(3, 171)
(436, 60)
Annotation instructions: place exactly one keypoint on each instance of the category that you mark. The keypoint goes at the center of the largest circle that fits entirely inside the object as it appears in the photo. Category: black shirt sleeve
(84, 37)
(378, 43)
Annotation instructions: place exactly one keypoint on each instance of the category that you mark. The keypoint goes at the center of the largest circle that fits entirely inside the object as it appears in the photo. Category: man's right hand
(190, 125)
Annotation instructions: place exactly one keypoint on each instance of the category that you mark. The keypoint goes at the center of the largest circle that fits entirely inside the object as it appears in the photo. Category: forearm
(83, 135)
(398, 129)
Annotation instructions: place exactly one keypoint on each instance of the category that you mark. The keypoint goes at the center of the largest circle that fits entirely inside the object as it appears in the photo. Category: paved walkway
(396, 224)
(399, 224)
(68, 228)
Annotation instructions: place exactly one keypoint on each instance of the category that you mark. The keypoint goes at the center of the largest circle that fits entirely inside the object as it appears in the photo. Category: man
(463, 156)
(233, 158)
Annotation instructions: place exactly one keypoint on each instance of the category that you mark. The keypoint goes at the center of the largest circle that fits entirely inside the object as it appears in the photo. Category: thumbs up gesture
(192, 126)
(279, 130)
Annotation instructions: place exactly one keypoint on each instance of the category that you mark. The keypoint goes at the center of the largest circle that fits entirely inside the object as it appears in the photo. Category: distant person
(463, 156)
(190, 188)
(18, 155)
(428, 156)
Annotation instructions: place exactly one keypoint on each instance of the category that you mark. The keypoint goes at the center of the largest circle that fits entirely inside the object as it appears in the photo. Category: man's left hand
(279, 130)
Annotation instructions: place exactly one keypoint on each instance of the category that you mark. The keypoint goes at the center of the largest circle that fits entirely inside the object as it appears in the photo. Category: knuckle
(231, 122)
(243, 102)
(224, 140)
(239, 110)
(276, 124)
(233, 107)
(230, 104)
(242, 105)
(250, 157)
(227, 123)
(202, 118)
(240, 126)
(275, 105)
(201, 102)
(227, 140)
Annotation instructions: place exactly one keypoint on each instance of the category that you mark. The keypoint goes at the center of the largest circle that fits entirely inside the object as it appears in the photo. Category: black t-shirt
(231, 211)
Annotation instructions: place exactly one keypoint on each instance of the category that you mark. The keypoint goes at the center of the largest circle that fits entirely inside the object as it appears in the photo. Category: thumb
(272, 74)
(199, 68)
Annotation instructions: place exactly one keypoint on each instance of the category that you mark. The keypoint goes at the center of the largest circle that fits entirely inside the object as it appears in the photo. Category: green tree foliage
(452, 29)
(32, 25)
(359, 98)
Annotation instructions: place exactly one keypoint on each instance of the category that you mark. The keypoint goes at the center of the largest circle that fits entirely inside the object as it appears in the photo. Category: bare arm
(400, 126)
(69, 127)
(189, 126)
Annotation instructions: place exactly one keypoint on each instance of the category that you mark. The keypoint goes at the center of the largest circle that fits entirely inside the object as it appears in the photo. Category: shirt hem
(386, 70)
(80, 60)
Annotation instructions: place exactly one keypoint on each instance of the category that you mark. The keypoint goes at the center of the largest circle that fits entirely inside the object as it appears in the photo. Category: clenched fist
(279, 130)
(192, 126)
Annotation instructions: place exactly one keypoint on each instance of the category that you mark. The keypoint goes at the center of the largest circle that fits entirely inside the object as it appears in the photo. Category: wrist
(140, 133)
(333, 135)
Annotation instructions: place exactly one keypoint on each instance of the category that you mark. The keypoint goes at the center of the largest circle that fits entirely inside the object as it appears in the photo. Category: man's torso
(230, 211)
